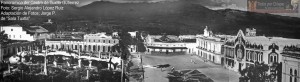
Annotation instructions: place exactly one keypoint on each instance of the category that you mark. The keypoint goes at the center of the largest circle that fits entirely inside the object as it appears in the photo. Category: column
(96, 46)
(92, 47)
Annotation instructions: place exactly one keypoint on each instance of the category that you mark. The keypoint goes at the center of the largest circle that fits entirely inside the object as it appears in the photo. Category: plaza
(180, 62)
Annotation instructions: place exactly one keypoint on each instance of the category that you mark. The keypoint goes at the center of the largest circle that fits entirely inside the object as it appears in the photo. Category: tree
(124, 41)
(3, 42)
(255, 73)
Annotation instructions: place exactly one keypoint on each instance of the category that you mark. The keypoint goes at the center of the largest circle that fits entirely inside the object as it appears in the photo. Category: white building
(80, 45)
(291, 64)
(155, 47)
(209, 47)
(100, 38)
(133, 34)
(16, 32)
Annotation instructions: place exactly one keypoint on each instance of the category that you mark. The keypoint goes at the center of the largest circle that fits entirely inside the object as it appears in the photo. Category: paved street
(215, 72)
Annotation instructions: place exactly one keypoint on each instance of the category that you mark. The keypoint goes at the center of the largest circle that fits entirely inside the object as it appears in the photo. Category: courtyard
(152, 74)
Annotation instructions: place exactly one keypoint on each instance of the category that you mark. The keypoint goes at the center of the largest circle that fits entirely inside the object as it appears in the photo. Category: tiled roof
(36, 29)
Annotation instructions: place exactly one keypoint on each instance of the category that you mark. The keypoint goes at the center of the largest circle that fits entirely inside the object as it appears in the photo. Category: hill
(176, 17)
(187, 17)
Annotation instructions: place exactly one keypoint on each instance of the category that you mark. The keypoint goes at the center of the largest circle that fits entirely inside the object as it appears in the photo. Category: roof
(15, 25)
(36, 29)
(166, 47)
(269, 40)
(263, 40)
(65, 39)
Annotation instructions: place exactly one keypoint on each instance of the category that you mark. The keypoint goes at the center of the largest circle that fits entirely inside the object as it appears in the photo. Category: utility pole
(122, 73)
(142, 67)
(45, 60)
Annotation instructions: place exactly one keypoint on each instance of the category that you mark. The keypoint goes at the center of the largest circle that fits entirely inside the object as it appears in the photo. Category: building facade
(242, 51)
(100, 38)
(209, 47)
(291, 64)
(80, 45)
(16, 32)
(154, 47)
(22, 39)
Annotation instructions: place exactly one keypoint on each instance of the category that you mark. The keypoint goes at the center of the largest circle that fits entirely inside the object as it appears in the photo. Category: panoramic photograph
(149, 41)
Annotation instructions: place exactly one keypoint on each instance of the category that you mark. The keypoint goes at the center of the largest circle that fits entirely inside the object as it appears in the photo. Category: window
(20, 36)
(9, 36)
(291, 79)
(108, 41)
(94, 40)
(275, 59)
(12, 29)
(14, 36)
(103, 41)
(271, 59)
(261, 57)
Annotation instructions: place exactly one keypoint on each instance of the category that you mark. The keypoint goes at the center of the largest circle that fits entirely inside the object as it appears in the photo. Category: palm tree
(3, 42)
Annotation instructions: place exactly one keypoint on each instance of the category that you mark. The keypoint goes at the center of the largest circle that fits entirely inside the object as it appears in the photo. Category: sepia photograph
(150, 41)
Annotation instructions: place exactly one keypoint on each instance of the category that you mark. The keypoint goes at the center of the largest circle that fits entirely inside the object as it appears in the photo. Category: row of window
(94, 48)
(162, 45)
(209, 46)
(229, 52)
(13, 36)
(255, 56)
(207, 56)
(103, 41)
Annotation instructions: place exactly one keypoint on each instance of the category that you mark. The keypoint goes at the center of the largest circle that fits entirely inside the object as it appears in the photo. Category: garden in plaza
(61, 66)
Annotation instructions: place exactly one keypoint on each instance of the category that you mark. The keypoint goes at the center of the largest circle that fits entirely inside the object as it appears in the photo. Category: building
(16, 32)
(18, 46)
(100, 38)
(38, 32)
(22, 39)
(80, 45)
(133, 34)
(209, 47)
(242, 51)
(291, 64)
(168, 44)
(67, 35)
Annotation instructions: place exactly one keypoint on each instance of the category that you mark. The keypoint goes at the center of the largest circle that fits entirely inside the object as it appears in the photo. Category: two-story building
(242, 51)
(209, 46)
(16, 32)
(100, 38)
(21, 39)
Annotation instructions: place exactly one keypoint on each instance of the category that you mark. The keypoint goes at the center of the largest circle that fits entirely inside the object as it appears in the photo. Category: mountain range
(175, 17)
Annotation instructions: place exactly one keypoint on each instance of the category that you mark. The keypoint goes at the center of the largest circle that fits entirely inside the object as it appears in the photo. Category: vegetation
(259, 73)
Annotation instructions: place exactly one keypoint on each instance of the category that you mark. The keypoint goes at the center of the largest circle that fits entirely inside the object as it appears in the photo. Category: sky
(233, 4)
